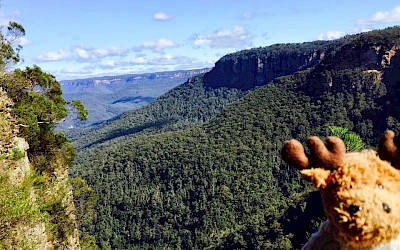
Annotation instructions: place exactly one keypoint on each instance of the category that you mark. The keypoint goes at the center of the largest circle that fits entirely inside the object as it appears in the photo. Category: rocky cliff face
(378, 60)
(256, 67)
(25, 220)
(365, 56)
(376, 50)
(367, 66)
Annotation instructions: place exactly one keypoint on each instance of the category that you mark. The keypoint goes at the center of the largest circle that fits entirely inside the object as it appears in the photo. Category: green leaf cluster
(352, 141)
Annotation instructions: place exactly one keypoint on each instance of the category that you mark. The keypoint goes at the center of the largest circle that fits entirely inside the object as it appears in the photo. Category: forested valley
(199, 168)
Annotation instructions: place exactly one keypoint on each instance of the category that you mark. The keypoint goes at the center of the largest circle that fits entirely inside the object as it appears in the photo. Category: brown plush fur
(360, 191)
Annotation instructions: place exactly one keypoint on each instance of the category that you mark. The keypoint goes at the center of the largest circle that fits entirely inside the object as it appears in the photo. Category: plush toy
(360, 192)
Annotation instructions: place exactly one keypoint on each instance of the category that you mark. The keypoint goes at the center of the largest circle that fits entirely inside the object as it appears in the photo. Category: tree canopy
(38, 104)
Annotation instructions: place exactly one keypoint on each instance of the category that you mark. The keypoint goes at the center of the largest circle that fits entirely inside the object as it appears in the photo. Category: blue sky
(83, 38)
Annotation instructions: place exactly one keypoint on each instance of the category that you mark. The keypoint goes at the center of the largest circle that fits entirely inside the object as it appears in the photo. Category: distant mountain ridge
(127, 78)
(108, 96)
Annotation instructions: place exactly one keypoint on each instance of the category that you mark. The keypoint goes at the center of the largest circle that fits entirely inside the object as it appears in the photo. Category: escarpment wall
(256, 67)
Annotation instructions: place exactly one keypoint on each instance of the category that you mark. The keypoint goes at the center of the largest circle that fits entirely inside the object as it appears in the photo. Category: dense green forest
(222, 184)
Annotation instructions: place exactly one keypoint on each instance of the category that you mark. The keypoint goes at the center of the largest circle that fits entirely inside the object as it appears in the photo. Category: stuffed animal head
(360, 191)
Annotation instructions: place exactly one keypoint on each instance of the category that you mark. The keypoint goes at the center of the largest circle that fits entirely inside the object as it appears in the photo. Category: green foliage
(82, 112)
(88, 242)
(16, 208)
(39, 107)
(17, 154)
(85, 201)
(43, 92)
(59, 225)
(188, 189)
(352, 141)
(221, 184)
(9, 47)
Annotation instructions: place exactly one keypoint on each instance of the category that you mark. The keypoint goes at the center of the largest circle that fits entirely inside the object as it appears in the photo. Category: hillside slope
(222, 185)
(187, 104)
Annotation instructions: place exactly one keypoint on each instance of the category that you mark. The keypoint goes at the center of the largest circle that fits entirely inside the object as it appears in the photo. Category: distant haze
(108, 96)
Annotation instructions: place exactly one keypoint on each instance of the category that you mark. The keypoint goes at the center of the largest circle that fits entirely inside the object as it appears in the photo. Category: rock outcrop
(24, 221)
(256, 67)
(365, 56)
(377, 61)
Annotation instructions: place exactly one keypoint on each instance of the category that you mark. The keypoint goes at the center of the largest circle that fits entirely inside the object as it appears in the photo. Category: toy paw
(388, 148)
(360, 191)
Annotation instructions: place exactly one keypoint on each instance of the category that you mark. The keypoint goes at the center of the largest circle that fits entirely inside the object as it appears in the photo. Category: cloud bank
(237, 37)
(82, 53)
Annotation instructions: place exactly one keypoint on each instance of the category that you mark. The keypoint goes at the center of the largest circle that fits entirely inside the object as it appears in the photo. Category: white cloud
(159, 45)
(71, 73)
(359, 30)
(83, 54)
(23, 41)
(109, 63)
(390, 16)
(229, 38)
(92, 54)
(331, 35)
(138, 60)
(162, 16)
(196, 65)
(157, 61)
(169, 60)
(165, 59)
(54, 56)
